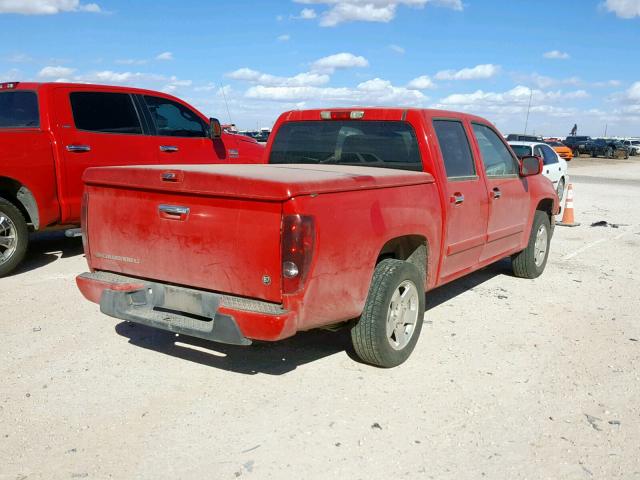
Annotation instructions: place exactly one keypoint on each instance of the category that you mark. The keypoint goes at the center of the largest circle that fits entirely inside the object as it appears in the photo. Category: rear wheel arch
(410, 248)
(22, 198)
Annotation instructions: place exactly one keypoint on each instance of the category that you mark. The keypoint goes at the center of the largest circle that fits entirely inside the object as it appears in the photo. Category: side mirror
(215, 129)
(530, 165)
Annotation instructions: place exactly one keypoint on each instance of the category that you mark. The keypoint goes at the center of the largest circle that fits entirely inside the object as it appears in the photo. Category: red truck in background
(50, 133)
(356, 215)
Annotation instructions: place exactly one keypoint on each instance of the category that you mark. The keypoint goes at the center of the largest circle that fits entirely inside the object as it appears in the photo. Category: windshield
(19, 109)
(521, 150)
(385, 144)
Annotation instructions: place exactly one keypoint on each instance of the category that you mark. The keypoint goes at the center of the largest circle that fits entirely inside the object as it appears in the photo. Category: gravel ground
(511, 378)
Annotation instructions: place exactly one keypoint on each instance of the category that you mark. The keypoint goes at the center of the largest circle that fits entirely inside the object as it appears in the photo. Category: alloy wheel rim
(540, 247)
(402, 316)
(8, 242)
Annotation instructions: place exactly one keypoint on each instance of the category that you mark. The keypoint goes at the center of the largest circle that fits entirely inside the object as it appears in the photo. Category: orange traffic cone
(567, 218)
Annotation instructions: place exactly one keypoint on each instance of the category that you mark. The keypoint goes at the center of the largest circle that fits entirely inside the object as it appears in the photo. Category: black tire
(524, 263)
(576, 153)
(609, 153)
(369, 335)
(12, 224)
(560, 189)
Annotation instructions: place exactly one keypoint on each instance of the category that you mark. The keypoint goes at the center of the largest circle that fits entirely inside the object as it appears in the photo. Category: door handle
(78, 148)
(173, 212)
(497, 193)
(457, 198)
(168, 148)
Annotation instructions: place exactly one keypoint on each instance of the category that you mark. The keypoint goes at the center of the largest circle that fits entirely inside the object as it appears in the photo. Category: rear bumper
(196, 313)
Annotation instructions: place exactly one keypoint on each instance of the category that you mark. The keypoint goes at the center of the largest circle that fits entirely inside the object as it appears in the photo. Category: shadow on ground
(278, 358)
(445, 293)
(45, 248)
(271, 358)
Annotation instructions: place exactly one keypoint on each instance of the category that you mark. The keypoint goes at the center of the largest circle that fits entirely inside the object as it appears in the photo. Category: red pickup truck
(51, 132)
(356, 215)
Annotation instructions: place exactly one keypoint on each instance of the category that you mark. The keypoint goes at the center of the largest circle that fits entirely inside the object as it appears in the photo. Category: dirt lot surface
(511, 378)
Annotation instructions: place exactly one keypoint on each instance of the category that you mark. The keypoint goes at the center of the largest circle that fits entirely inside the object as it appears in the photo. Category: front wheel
(390, 324)
(530, 262)
(14, 237)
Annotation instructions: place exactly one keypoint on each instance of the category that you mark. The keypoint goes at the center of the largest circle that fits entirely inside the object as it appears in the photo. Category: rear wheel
(14, 237)
(560, 188)
(389, 327)
(530, 262)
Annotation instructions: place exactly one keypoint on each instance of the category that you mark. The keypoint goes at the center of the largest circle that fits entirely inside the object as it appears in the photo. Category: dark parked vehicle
(577, 144)
(516, 137)
(602, 147)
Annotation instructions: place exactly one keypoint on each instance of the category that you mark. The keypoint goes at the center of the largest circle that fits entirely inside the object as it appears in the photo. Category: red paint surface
(37, 157)
(232, 236)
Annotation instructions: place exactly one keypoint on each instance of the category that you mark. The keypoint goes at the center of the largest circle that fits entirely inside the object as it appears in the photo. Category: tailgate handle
(78, 148)
(173, 212)
(168, 148)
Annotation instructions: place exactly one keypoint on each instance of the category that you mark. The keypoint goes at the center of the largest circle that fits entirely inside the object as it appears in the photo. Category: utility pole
(526, 122)
(605, 129)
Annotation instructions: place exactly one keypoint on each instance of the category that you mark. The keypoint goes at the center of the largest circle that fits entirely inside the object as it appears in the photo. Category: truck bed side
(26, 160)
(352, 229)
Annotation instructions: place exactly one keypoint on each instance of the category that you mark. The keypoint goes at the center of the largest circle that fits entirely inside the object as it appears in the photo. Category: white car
(555, 167)
(633, 146)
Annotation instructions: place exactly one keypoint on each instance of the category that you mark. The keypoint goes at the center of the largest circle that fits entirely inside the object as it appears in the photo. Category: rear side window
(521, 150)
(105, 112)
(455, 149)
(173, 119)
(19, 109)
(549, 157)
(496, 157)
(386, 144)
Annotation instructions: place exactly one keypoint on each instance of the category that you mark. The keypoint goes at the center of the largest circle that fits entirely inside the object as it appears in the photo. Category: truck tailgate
(229, 245)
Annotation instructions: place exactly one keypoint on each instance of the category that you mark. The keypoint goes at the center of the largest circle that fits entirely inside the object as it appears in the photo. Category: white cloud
(55, 72)
(307, 14)
(421, 83)
(46, 7)
(300, 80)
(11, 76)
(556, 55)
(516, 97)
(397, 48)
(487, 70)
(624, 8)
(165, 56)
(633, 93)
(284, 38)
(608, 83)
(131, 61)
(373, 92)
(340, 11)
(19, 58)
(339, 61)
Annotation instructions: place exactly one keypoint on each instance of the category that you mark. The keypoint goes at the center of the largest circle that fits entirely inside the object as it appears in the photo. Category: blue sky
(581, 58)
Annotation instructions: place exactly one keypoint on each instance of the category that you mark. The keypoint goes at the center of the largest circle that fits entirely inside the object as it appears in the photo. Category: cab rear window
(384, 144)
(19, 109)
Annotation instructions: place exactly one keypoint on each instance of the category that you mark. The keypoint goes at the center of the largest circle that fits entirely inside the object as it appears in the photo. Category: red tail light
(84, 223)
(298, 237)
